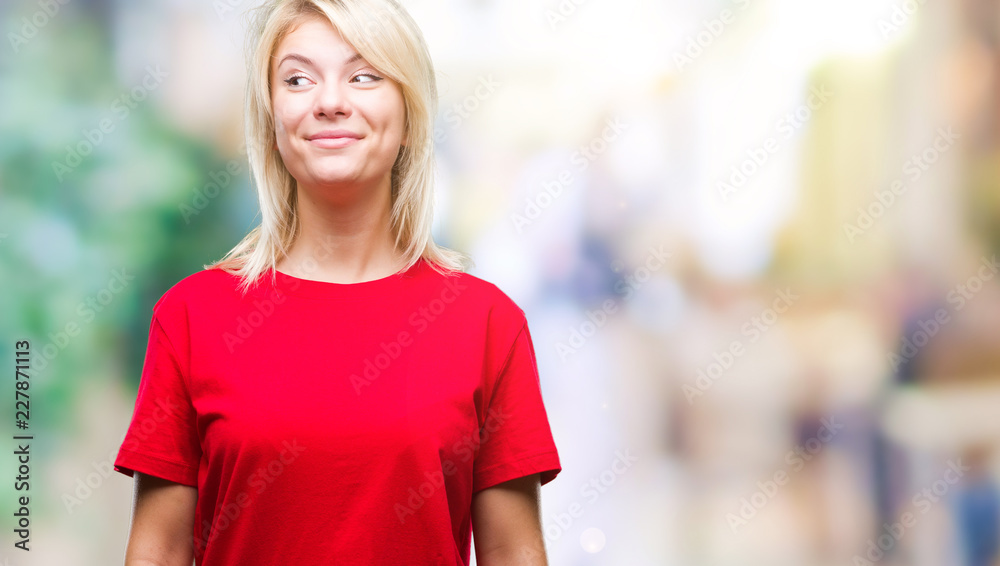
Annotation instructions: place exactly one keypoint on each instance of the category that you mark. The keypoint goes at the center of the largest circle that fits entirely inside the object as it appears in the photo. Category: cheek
(392, 117)
(286, 117)
(283, 139)
(280, 137)
(401, 120)
(280, 122)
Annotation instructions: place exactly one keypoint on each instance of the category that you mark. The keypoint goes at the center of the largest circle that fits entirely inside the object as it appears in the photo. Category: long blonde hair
(388, 39)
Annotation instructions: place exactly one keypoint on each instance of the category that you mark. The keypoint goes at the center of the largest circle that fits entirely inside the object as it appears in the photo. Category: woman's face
(338, 121)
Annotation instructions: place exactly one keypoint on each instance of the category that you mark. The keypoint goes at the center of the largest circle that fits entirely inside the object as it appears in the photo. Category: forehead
(314, 37)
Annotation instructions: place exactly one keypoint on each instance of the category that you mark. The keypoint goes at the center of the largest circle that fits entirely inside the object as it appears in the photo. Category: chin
(336, 178)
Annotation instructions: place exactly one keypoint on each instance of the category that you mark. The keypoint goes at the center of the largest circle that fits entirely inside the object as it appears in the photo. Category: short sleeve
(162, 438)
(516, 439)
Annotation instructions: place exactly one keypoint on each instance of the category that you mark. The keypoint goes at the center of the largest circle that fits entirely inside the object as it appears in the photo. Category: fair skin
(344, 205)
(507, 524)
(319, 83)
(162, 523)
(343, 190)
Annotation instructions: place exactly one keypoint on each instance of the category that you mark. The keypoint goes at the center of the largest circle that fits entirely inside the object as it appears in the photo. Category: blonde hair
(388, 39)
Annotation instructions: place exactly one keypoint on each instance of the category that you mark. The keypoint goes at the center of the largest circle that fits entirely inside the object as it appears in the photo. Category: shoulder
(478, 295)
(200, 287)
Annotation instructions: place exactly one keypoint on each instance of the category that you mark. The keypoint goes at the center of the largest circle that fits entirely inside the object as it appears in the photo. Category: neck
(344, 235)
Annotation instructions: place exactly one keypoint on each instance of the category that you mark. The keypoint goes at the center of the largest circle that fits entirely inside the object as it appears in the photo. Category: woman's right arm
(162, 523)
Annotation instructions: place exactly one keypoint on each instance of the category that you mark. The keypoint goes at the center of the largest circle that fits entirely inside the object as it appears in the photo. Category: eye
(369, 75)
(290, 80)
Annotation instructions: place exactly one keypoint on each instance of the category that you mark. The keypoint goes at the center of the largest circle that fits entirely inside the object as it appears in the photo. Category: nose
(332, 100)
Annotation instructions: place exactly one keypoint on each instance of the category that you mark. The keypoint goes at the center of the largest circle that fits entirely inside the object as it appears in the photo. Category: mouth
(333, 143)
(334, 139)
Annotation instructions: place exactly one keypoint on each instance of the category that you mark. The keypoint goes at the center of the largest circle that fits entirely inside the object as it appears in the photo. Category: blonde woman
(337, 390)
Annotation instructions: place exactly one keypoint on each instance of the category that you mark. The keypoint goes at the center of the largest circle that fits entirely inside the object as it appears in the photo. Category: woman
(336, 390)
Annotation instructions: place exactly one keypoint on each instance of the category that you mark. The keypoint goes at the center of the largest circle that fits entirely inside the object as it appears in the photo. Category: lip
(333, 134)
(334, 139)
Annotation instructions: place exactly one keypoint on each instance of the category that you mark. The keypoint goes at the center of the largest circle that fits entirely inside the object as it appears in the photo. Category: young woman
(337, 390)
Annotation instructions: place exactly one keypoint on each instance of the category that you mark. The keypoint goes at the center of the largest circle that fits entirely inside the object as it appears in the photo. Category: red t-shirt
(329, 423)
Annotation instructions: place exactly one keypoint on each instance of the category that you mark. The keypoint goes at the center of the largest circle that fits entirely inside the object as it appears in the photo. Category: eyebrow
(308, 61)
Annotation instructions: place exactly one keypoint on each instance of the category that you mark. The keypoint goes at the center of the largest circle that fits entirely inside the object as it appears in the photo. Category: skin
(343, 208)
(506, 524)
(344, 204)
(344, 193)
(161, 524)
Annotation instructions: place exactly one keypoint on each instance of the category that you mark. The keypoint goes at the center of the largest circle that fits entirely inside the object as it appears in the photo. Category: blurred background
(755, 241)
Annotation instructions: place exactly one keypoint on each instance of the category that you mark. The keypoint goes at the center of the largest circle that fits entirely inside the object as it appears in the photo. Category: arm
(507, 526)
(162, 523)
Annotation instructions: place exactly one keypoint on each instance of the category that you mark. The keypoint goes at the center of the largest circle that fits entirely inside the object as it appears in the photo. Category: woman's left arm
(506, 524)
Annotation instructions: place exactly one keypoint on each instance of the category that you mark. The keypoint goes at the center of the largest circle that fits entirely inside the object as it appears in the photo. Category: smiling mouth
(334, 143)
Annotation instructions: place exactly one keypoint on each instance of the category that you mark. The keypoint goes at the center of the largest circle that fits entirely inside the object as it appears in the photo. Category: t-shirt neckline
(289, 284)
